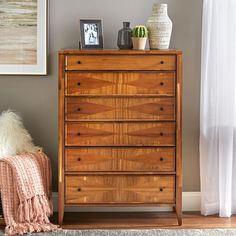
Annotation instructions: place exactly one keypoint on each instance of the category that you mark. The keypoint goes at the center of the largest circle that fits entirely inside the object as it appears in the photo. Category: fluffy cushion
(14, 138)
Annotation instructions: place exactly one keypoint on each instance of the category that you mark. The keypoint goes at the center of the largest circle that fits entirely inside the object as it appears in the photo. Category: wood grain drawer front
(120, 109)
(113, 83)
(155, 62)
(108, 189)
(120, 159)
(120, 134)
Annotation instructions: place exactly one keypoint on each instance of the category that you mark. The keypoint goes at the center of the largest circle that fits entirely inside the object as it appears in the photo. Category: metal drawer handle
(162, 62)
(78, 62)
(161, 134)
(78, 83)
(161, 159)
(161, 109)
(161, 189)
(79, 189)
(161, 83)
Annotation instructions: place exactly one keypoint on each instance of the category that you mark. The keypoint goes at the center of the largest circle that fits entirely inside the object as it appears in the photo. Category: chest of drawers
(120, 129)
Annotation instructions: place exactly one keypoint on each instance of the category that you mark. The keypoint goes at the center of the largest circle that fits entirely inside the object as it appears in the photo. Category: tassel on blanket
(36, 209)
(23, 228)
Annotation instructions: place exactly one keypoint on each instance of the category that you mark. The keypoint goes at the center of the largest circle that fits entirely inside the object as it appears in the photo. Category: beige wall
(35, 97)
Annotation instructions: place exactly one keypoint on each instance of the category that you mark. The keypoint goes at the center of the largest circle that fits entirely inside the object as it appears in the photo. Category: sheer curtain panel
(218, 108)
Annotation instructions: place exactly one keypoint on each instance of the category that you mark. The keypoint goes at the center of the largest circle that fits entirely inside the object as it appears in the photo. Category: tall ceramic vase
(159, 27)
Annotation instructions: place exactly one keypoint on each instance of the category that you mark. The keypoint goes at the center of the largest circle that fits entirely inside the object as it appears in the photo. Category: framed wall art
(91, 34)
(23, 37)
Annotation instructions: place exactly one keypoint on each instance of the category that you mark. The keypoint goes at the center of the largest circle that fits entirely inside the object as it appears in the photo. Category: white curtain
(218, 108)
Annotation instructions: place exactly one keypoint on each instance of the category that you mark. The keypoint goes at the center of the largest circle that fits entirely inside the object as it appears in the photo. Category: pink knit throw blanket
(25, 183)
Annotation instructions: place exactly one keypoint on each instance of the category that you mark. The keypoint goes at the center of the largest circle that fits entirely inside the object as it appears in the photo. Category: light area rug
(152, 232)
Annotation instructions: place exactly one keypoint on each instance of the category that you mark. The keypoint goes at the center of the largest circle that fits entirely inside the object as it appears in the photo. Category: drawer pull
(161, 134)
(161, 189)
(78, 109)
(161, 83)
(78, 62)
(78, 134)
(162, 62)
(161, 109)
(161, 159)
(79, 189)
(78, 159)
(78, 83)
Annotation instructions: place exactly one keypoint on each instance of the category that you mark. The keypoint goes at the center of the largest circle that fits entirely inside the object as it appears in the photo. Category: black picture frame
(91, 35)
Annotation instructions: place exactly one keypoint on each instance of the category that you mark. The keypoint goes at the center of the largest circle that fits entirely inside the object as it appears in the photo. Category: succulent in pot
(139, 37)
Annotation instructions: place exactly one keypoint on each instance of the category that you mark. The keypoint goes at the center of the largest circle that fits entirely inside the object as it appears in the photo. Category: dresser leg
(60, 216)
(61, 205)
(179, 215)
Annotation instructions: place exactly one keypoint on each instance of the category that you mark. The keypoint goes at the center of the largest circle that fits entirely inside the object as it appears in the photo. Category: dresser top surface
(119, 52)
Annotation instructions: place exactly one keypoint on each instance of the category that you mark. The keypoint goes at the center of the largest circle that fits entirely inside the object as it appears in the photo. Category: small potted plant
(139, 37)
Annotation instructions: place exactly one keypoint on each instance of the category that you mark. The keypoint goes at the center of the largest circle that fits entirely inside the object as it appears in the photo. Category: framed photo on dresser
(91, 34)
(23, 37)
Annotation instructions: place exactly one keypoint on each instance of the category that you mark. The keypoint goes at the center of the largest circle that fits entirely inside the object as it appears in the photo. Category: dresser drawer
(134, 62)
(108, 189)
(120, 109)
(120, 159)
(120, 134)
(114, 83)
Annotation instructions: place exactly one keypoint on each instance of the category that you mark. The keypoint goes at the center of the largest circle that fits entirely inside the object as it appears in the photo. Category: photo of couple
(91, 34)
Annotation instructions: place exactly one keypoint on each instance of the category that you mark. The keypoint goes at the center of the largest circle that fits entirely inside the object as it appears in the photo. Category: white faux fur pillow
(14, 138)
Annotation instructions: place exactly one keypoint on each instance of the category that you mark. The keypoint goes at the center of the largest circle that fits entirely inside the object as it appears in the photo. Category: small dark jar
(124, 40)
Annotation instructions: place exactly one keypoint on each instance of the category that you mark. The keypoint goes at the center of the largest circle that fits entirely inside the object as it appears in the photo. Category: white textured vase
(159, 27)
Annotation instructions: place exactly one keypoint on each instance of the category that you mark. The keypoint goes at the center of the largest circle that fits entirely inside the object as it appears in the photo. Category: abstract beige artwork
(18, 32)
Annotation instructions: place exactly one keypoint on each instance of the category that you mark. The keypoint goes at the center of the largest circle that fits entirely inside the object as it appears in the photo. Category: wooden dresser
(120, 129)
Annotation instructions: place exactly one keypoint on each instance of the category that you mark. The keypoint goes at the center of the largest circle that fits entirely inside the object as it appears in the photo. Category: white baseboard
(191, 202)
